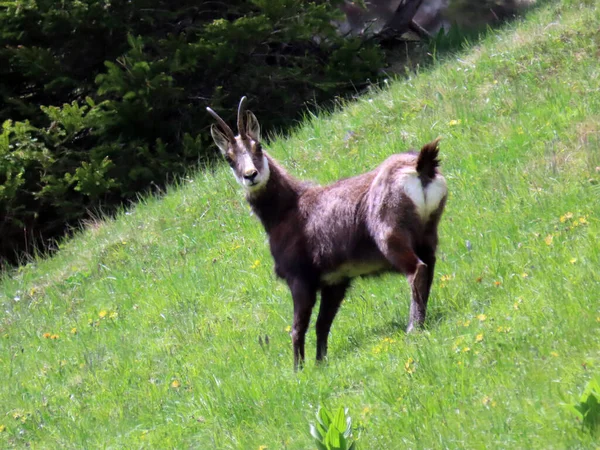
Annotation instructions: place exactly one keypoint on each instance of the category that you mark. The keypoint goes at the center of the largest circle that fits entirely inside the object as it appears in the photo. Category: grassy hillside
(144, 332)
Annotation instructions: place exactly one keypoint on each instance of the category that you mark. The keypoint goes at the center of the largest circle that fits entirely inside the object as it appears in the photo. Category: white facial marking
(426, 200)
(259, 181)
(238, 179)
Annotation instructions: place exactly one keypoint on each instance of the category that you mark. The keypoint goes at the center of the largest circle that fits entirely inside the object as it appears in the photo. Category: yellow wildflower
(573, 260)
(548, 239)
(102, 314)
(554, 354)
(288, 329)
(113, 315)
(517, 303)
(54, 336)
(482, 317)
(2, 428)
(454, 122)
(525, 275)
(479, 337)
(366, 410)
(409, 366)
(466, 349)
(487, 401)
(262, 447)
(583, 221)
(446, 277)
(255, 264)
(566, 217)
(73, 330)
(497, 283)
(467, 323)
(176, 384)
(46, 335)
(457, 343)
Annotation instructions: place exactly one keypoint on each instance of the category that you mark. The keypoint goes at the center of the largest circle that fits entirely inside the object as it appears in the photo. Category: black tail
(427, 160)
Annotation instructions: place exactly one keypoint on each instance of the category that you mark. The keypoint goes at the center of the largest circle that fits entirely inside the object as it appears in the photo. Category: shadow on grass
(360, 338)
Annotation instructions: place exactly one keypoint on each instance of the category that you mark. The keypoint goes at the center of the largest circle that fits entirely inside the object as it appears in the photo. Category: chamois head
(244, 151)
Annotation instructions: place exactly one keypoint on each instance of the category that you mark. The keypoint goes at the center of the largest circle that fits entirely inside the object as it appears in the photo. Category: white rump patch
(426, 200)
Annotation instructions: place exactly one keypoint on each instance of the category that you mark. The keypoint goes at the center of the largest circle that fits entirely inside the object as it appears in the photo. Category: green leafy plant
(588, 407)
(333, 431)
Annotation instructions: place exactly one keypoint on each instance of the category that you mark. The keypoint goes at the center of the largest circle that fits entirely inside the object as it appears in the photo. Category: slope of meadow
(143, 332)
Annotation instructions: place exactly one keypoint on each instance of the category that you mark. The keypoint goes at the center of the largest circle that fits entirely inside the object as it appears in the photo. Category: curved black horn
(240, 118)
(224, 126)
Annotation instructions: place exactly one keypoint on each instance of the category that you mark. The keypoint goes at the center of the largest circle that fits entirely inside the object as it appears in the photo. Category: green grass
(158, 313)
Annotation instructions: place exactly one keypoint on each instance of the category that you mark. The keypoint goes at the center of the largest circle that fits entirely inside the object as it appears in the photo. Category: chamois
(323, 236)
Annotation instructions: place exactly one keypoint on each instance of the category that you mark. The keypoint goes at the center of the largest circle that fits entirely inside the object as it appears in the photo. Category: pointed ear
(252, 126)
(220, 138)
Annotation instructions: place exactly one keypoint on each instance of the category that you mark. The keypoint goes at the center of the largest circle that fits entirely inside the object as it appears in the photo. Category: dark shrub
(125, 85)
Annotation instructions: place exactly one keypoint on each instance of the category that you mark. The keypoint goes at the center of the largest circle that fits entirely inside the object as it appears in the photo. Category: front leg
(304, 295)
(331, 298)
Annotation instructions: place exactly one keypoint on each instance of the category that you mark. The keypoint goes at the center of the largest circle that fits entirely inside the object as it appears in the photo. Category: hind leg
(398, 251)
(426, 253)
(418, 302)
